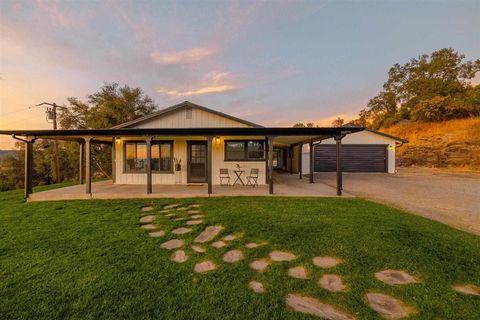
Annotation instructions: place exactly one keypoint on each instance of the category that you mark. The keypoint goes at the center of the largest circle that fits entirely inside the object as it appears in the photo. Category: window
(245, 150)
(136, 156)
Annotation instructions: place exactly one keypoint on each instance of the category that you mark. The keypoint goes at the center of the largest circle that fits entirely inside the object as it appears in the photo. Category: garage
(355, 158)
(364, 151)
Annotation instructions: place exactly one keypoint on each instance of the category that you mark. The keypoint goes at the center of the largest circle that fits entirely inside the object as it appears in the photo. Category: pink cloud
(183, 57)
(56, 16)
(212, 82)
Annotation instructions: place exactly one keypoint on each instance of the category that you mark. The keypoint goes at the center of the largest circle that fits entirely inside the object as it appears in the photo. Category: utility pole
(52, 115)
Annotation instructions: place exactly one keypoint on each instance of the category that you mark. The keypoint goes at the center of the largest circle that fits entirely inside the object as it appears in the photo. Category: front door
(197, 161)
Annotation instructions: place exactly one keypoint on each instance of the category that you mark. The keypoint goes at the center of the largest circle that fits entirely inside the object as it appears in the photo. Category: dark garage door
(355, 158)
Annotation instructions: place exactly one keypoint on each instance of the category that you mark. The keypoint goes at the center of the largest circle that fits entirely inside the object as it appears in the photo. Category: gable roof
(377, 132)
(184, 105)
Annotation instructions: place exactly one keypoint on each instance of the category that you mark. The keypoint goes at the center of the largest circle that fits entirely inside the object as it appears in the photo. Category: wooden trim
(209, 163)
(245, 141)
(154, 142)
(148, 140)
(88, 165)
(300, 169)
(312, 159)
(81, 163)
(28, 184)
(114, 161)
(270, 165)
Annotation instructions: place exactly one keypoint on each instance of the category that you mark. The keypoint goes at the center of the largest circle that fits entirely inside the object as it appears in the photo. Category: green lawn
(90, 260)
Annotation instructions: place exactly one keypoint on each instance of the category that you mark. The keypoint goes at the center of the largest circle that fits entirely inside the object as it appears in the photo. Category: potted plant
(178, 164)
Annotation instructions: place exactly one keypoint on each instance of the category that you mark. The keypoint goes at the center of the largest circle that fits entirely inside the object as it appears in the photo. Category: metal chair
(224, 175)
(252, 179)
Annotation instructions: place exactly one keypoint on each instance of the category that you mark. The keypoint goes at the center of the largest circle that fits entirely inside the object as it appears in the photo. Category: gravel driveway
(452, 198)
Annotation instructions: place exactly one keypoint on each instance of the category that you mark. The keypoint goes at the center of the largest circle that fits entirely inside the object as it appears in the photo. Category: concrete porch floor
(285, 185)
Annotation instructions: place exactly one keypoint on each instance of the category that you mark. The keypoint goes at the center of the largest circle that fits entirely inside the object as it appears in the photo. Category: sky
(275, 63)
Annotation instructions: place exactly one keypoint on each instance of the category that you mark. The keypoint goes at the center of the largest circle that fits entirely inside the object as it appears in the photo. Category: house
(188, 144)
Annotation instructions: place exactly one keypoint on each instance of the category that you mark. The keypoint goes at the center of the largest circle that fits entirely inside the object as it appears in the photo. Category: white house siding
(199, 119)
(362, 137)
(180, 152)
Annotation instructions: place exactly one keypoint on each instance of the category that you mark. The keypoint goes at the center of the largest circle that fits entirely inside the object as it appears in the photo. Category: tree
(442, 74)
(338, 122)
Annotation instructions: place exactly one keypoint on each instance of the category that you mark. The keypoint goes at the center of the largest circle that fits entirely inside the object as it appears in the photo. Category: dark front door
(197, 161)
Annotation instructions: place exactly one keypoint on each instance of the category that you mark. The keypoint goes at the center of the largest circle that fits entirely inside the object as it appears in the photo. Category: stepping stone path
(181, 230)
(198, 249)
(170, 215)
(164, 211)
(316, 307)
(388, 306)
(194, 222)
(331, 282)
(256, 286)
(298, 272)
(204, 266)
(260, 265)
(467, 289)
(157, 234)
(147, 219)
(179, 256)
(145, 209)
(230, 237)
(179, 219)
(171, 206)
(219, 244)
(172, 244)
(326, 262)
(394, 277)
(195, 205)
(197, 216)
(182, 209)
(149, 227)
(282, 256)
(208, 234)
(252, 245)
(233, 256)
(193, 211)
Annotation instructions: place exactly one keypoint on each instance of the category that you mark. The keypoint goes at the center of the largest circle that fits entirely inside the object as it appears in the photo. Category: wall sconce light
(118, 140)
(391, 147)
(216, 140)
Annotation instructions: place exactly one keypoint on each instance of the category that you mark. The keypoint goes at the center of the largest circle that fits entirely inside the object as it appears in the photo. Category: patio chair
(224, 175)
(252, 179)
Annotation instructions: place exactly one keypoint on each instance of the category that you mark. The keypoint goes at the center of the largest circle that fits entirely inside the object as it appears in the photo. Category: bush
(441, 109)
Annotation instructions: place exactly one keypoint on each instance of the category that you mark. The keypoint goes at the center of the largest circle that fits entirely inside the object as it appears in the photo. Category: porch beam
(209, 164)
(338, 140)
(149, 139)
(312, 158)
(266, 159)
(270, 164)
(88, 165)
(28, 184)
(291, 159)
(81, 162)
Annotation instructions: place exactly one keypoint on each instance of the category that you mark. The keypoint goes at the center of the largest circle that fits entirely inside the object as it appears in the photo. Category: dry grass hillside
(452, 144)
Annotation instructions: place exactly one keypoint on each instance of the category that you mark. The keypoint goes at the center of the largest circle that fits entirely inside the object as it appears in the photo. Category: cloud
(55, 15)
(183, 57)
(212, 82)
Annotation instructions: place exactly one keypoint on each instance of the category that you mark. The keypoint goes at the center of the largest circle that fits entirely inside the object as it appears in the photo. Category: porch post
(148, 139)
(28, 167)
(113, 160)
(88, 165)
(266, 160)
(209, 164)
(312, 159)
(291, 159)
(338, 140)
(270, 165)
(81, 163)
(300, 147)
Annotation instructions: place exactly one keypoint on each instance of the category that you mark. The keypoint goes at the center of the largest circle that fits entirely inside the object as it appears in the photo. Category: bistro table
(238, 173)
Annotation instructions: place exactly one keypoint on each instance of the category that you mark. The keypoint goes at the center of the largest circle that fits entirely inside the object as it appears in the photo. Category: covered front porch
(286, 185)
(289, 140)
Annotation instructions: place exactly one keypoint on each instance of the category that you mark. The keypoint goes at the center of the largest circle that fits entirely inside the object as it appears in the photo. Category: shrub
(441, 109)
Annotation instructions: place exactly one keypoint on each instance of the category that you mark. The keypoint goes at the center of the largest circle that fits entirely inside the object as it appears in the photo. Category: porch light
(216, 140)
(118, 140)
(391, 147)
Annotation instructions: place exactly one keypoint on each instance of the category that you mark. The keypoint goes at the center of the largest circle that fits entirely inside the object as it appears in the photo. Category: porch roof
(288, 136)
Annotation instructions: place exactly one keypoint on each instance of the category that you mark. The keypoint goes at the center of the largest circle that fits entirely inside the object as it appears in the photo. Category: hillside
(452, 144)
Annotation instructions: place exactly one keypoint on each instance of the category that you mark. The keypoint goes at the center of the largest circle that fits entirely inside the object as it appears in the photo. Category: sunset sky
(271, 62)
